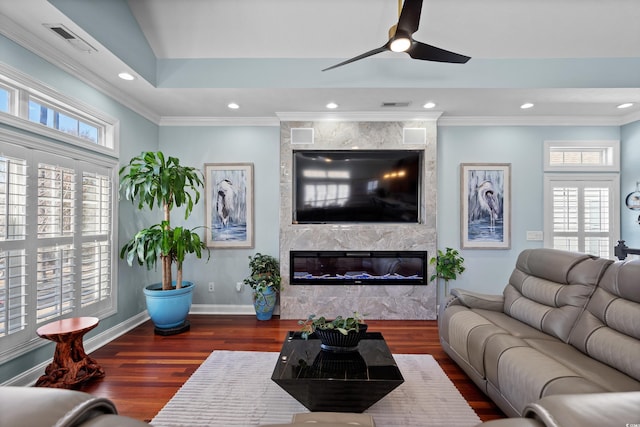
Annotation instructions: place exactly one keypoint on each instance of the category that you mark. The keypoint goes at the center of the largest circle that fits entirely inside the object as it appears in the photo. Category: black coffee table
(336, 382)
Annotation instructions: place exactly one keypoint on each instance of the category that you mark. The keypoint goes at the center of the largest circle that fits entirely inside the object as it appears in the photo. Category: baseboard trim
(30, 376)
(222, 309)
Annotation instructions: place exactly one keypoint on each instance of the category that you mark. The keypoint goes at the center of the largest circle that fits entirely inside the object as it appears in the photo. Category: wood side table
(71, 365)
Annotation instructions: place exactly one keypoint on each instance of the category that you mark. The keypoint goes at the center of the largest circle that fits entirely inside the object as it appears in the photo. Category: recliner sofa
(39, 406)
(566, 323)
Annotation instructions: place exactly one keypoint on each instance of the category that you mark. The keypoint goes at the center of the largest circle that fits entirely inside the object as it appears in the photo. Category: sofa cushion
(549, 264)
(610, 379)
(467, 333)
(524, 374)
(512, 326)
(549, 288)
(609, 330)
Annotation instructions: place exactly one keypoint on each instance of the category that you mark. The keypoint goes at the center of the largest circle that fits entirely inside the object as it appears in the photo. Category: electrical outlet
(211, 287)
(239, 286)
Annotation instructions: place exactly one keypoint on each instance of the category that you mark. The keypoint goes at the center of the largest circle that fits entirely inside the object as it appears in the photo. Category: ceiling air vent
(71, 38)
(396, 104)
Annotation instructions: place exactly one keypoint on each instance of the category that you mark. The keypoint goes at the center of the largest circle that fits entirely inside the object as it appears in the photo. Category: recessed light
(233, 105)
(526, 105)
(126, 76)
(332, 105)
(429, 105)
(625, 105)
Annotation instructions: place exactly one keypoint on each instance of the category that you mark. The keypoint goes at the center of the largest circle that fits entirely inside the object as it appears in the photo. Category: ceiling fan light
(401, 44)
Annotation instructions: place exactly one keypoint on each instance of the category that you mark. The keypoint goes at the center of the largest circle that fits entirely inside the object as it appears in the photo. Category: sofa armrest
(36, 406)
(476, 300)
(586, 410)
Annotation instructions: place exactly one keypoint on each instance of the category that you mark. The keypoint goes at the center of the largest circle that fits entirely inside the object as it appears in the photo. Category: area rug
(234, 388)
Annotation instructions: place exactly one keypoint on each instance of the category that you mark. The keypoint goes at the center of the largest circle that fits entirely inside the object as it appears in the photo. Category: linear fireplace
(358, 267)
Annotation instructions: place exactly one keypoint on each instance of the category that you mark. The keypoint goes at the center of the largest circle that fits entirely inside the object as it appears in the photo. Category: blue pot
(264, 303)
(169, 309)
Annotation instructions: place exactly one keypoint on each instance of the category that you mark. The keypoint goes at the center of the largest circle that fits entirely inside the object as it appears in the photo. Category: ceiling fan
(401, 40)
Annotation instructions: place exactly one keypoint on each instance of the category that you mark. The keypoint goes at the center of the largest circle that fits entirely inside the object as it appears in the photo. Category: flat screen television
(362, 186)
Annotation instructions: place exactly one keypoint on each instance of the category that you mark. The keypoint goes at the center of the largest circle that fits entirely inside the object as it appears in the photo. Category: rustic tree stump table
(71, 365)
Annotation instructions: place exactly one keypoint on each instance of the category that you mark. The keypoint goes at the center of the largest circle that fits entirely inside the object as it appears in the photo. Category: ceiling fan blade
(427, 52)
(410, 16)
(364, 55)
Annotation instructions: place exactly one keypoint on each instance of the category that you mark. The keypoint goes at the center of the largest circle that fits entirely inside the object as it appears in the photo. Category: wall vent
(68, 36)
(414, 136)
(302, 135)
(396, 104)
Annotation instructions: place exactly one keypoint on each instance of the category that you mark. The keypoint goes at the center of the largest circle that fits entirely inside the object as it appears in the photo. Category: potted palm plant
(264, 281)
(150, 180)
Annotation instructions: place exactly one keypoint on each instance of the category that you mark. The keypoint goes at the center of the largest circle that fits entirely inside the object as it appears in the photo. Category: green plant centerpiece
(340, 334)
(264, 281)
(152, 180)
(448, 266)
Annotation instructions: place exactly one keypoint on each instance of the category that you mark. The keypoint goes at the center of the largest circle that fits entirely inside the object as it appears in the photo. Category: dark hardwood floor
(144, 370)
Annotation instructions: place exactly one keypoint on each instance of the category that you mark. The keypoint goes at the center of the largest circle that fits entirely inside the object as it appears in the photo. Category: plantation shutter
(55, 262)
(13, 201)
(96, 237)
(58, 189)
(581, 214)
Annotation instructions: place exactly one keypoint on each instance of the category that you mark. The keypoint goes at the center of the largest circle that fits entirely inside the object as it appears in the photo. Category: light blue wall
(196, 146)
(630, 164)
(136, 134)
(488, 270)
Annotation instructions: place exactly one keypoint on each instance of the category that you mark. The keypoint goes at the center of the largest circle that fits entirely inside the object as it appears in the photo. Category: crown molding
(359, 116)
(630, 118)
(218, 121)
(46, 51)
(49, 53)
(529, 121)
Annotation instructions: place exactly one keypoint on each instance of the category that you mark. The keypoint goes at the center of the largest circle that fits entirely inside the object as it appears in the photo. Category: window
(5, 99)
(57, 216)
(13, 202)
(56, 118)
(581, 209)
(38, 109)
(581, 217)
(591, 156)
(56, 232)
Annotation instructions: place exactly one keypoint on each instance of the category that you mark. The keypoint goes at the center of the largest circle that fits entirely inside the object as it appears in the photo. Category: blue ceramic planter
(264, 303)
(169, 309)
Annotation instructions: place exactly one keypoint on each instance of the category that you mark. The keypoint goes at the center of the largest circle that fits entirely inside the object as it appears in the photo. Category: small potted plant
(264, 281)
(448, 265)
(340, 334)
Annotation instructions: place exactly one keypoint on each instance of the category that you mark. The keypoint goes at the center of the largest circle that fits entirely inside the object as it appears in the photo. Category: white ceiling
(563, 55)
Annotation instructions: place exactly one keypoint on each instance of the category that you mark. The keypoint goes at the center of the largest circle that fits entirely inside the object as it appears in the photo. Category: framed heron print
(486, 205)
(229, 205)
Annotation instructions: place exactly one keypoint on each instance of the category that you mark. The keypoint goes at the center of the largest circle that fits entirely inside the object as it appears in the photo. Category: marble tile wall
(375, 301)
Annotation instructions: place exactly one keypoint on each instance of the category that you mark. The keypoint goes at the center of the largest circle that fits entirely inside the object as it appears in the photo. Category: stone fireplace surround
(375, 302)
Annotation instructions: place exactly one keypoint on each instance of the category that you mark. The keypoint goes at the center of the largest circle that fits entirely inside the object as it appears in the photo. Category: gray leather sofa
(566, 323)
(39, 407)
(583, 410)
